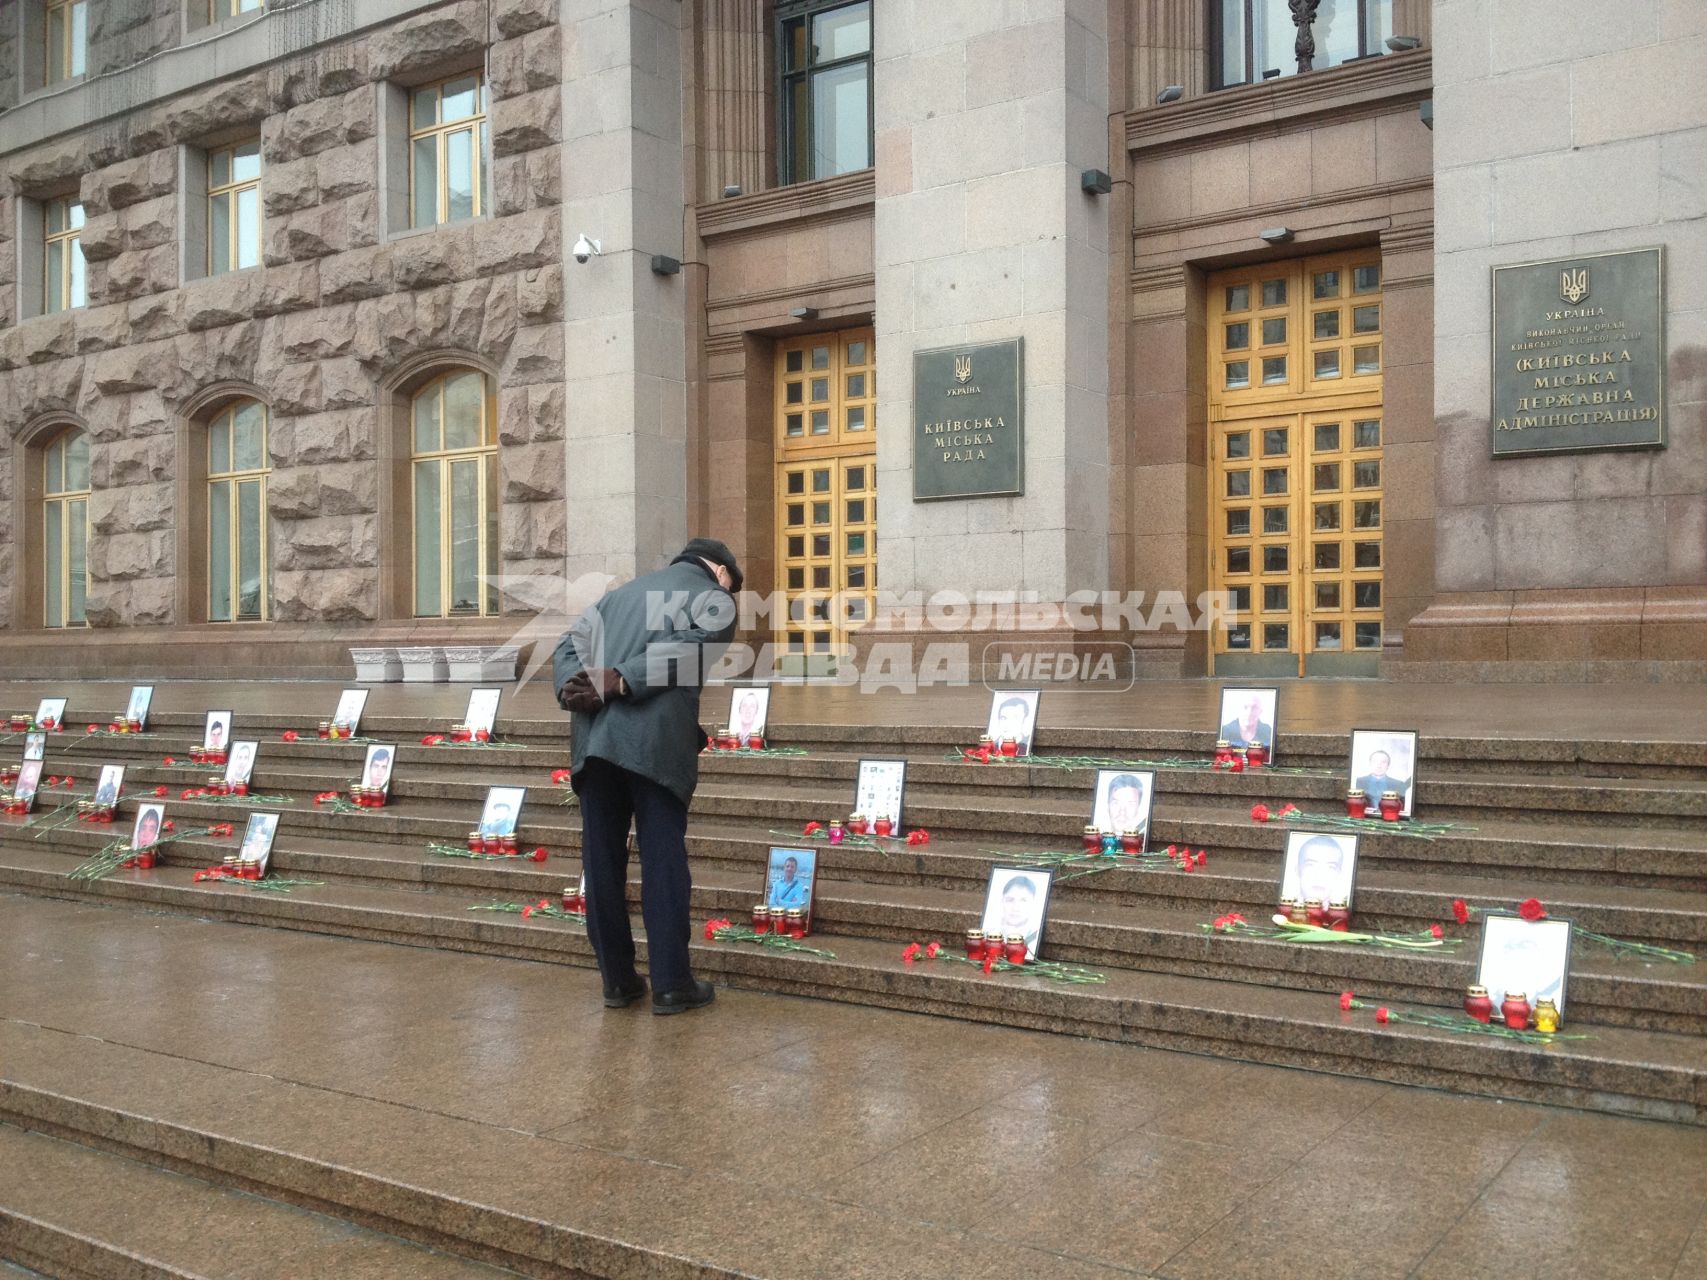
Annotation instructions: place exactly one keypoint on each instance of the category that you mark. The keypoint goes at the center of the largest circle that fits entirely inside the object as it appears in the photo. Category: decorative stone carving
(354, 275)
(527, 121)
(324, 595)
(221, 300)
(436, 39)
(518, 17)
(536, 355)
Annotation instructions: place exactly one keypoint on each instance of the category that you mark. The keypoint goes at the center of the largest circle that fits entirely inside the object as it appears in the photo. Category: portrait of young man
(29, 780)
(240, 765)
(1247, 717)
(112, 780)
(1320, 868)
(148, 822)
(51, 709)
(1529, 957)
(791, 873)
(35, 746)
(1013, 714)
(376, 769)
(137, 708)
(748, 711)
(503, 808)
(349, 713)
(1123, 800)
(257, 843)
(218, 728)
(1015, 903)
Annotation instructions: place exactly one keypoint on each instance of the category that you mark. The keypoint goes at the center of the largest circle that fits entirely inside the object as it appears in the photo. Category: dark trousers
(612, 798)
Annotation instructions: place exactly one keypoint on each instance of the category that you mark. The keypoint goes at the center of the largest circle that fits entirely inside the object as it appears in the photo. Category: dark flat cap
(714, 551)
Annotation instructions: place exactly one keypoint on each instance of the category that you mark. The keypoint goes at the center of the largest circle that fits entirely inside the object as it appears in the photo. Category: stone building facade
(1131, 188)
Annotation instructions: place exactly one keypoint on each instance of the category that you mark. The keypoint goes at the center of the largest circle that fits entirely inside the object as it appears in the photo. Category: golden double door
(1295, 474)
(826, 489)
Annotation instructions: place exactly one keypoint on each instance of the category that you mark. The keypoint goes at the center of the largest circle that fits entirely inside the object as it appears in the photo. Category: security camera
(586, 249)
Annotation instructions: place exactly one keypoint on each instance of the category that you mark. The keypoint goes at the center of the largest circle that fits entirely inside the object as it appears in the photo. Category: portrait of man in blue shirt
(788, 888)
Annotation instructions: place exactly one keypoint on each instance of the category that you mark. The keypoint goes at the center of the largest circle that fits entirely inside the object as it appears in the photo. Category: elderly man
(630, 671)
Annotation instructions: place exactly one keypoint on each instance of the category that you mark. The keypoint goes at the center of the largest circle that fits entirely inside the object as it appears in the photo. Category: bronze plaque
(968, 433)
(1580, 354)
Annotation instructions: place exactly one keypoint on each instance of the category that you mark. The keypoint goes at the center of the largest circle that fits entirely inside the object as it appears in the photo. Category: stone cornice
(1350, 92)
(805, 202)
(1346, 196)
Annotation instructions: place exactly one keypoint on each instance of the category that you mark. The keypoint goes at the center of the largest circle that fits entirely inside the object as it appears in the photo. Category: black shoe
(625, 993)
(697, 996)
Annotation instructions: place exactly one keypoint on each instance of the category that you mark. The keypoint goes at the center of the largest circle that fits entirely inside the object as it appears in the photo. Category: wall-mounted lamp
(1095, 182)
(732, 190)
(803, 313)
(1275, 235)
(1173, 93)
(665, 266)
(1403, 44)
(1425, 109)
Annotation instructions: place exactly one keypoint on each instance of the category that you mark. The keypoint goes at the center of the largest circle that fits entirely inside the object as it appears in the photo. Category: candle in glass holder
(974, 944)
(507, 843)
(241, 788)
(884, 827)
(1131, 841)
(796, 922)
(837, 833)
(1014, 948)
(1478, 1004)
(1392, 806)
(1515, 1010)
(761, 918)
(1339, 917)
(1093, 839)
(1010, 747)
(1223, 752)
(324, 729)
(1356, 804)
(1256, 755)
(1110, 841)
(755, 742)
(858, 825)
(1316, 913)
(1546, 1016)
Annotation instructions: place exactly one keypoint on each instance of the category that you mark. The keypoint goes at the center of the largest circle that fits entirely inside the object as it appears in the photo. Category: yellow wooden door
(1295, 422)
(826, 477)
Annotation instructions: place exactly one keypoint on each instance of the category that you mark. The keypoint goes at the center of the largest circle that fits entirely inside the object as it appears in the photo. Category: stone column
(625, 328)
(983, 127)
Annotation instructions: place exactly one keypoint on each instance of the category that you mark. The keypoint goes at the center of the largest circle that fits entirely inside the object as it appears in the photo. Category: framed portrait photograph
(1319, 868)
(51, 709)
(879, 789)
(28, 782)
(111, 785)
(35, 745)
(1123, 801)
(348, 716)
(240, 764)
(258, 839)
(1013, 714)
(1248, 717)
(789, 880)
(749, 708)
(137, 708)
(502, 810)
(150, 818)
(482, 710)
(216, 733)
(1017, 901)
(1383, 760)
(1529, 957)
(377, 765)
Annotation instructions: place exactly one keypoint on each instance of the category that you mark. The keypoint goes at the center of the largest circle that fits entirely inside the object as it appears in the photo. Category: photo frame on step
(1016, 901)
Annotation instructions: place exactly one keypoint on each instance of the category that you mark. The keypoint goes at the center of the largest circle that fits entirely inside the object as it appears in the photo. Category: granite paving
(495, 1102)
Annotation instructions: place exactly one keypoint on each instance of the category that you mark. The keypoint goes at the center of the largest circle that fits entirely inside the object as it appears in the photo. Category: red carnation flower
(812, 828)
(169, 760)
(1290, 808)
(169, 825)
(539, 854)
(52, 781)
(527, 912)
(1438, 931)
(1172, 851)
(188, 793)
(932, 949)
(1531, 909)
(912, 950)
(714, 927)
(560, 776)
(1381, 1015)
(160, 790)
(1202, 857)
(433, 740)
(989, 961)
(94, 728)
(1347, 1000)
(289, 735)
(1259, 813)
(1460, 911)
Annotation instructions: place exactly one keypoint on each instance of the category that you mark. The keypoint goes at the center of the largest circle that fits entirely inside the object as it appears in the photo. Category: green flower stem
(743, 752)
(1188, 764)
(879, 844)
(1423, 940)
(776, 942)
(251, 798)
(1464, 1024)
(550, 910)
(1404, 827)
(1623, 948)
(115, 853)
(1054, 971)
(463, 851)
(62, 815)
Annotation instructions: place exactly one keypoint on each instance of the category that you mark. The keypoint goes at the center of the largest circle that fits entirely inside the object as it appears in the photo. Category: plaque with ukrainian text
(1579, 354)
(968, 431)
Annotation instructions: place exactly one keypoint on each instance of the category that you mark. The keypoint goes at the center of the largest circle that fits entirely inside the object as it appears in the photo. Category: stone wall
(323, 331)
(1591, 139)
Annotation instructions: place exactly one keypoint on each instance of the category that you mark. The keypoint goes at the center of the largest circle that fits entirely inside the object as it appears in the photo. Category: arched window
(454, 480)
(237, 514)
(65, 529)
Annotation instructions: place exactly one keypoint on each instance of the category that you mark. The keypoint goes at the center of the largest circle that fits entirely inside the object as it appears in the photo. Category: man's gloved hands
(588, 691)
